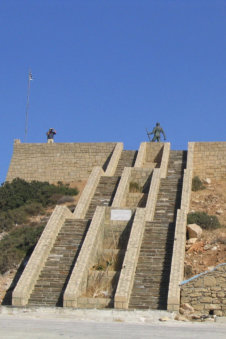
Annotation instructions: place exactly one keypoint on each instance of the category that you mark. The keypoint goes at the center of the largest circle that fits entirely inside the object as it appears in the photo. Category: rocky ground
(210, 249)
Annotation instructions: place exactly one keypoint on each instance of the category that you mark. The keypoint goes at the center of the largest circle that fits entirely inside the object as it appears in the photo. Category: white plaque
(121, 214)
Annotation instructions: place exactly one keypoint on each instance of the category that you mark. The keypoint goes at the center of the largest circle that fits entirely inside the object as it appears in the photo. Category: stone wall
(88, 193)
(55, 162)
(113, 163)
(127, 273)
(177, 264)
(158, 173)
(141, 156)
(210, 160)
(206, 292)
(154, 153)
(123, 188)
(141, 176)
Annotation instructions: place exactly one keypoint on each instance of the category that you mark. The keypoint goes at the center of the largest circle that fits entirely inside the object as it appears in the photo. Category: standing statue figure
(157, 130)
(50, 135)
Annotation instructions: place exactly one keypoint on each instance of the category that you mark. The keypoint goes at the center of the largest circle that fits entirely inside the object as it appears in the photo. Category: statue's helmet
(157, 124)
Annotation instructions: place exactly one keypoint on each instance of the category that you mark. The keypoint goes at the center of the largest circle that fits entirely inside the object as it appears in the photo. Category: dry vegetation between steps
(110, 261)
(99, 285)
(210, 250)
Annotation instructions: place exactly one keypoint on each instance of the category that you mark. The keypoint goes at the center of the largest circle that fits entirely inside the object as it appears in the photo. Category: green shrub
(6, 221)
(204, 220)
(19, 216)
(19, 200)
(33, 208)
(19, 192)
(17, 244)
(197, 184)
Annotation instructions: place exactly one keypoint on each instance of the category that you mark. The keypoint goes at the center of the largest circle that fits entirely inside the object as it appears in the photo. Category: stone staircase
(53, 279)
(150, 289)
(127, 159)
(103, 195)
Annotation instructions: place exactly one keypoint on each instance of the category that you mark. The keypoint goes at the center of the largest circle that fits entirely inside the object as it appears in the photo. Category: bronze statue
(157, 130)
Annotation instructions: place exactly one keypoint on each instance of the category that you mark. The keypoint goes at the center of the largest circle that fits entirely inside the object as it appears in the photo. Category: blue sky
(105, 70)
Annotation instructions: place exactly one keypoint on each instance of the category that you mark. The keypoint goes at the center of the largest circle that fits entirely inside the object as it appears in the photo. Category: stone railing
(88, 192)
(165, 159)
(141, 156)
(177, 265)
(127, 274)
(187, 183)
(123, 188)
(153, 194)
(114, 159)
(38, 258)
(87, 255)
(158, 173)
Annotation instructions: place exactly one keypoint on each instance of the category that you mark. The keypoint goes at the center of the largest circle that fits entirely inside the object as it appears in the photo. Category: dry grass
(98, 286)
(110, 261)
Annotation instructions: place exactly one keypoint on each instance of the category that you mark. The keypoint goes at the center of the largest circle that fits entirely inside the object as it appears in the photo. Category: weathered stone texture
(58, 161)
(154, 153)
(210, 160)
(205, 293)
(177, 265)
(194, 231)
(127, 274)
(38, 258)
(88, 192)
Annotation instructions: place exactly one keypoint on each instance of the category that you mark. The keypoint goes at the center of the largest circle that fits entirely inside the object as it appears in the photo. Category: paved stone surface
(47, 323)
(14, 326)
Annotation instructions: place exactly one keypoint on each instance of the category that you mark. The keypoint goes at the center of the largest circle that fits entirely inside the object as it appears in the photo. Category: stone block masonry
(177, 264)
(88, 192)
(154, 152)
(206, 292)
(38, 258)
(210, 160)
(55, 162)
(74, 161)
(127, 274)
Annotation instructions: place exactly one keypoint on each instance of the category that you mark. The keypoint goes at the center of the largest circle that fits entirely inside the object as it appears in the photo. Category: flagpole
(27, 105)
